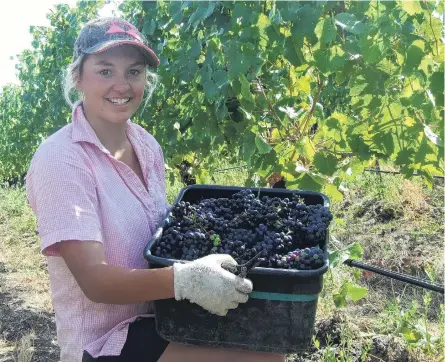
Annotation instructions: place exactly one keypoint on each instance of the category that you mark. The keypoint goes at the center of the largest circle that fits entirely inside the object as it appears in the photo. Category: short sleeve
(61, 191)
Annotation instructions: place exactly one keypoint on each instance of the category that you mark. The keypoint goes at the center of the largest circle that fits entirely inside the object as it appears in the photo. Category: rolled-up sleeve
(61, 190)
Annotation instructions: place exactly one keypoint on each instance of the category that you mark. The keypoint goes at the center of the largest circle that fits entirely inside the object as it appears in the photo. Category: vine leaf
(262, 146)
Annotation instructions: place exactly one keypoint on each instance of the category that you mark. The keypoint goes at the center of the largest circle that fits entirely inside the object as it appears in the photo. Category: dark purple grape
(243, 225)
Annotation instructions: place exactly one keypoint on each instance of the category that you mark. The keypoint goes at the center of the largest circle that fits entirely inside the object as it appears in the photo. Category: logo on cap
(115, 29)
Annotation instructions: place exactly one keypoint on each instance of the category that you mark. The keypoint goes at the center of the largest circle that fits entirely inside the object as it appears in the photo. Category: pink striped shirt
(79, 191)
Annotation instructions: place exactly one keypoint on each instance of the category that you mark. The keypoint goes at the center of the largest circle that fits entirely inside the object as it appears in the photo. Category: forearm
(110, 284)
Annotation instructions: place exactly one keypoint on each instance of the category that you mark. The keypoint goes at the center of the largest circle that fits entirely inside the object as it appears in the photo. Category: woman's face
(113, 83)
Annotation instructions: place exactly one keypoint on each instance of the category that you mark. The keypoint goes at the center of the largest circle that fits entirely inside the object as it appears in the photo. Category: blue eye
(134, 72)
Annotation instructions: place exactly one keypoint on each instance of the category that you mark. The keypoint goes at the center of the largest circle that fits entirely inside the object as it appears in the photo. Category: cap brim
(149, 54)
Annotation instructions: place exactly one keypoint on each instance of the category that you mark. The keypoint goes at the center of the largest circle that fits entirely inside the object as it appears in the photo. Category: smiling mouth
(118, 101)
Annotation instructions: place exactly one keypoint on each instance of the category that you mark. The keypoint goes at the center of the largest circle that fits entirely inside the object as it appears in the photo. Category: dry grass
(25, 347)
(25, 302)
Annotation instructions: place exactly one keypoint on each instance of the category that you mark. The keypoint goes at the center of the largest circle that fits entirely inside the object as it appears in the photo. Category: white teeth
(119, 100)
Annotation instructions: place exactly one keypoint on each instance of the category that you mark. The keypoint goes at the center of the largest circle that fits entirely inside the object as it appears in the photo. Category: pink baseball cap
(105, 33)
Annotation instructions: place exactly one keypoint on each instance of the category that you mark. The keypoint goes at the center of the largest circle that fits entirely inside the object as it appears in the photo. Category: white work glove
(207, 284)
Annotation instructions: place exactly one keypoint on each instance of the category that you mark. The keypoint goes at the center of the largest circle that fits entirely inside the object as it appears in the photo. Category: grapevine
(307, 92)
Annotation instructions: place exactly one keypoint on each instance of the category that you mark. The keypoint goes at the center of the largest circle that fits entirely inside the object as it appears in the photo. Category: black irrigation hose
(394, 275)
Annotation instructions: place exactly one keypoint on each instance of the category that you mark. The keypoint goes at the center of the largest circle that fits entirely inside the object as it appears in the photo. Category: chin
(121, 117)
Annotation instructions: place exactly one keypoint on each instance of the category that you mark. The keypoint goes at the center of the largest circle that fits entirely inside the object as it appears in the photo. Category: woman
(97, 187)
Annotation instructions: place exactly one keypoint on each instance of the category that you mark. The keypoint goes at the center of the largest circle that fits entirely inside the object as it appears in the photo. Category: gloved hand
(205, 283)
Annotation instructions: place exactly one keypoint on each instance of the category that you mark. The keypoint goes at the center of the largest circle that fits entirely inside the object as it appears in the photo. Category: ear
(78, 86)
(78, 82)
(77, 75)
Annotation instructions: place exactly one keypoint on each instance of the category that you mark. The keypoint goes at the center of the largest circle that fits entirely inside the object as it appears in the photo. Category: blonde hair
(73, 73)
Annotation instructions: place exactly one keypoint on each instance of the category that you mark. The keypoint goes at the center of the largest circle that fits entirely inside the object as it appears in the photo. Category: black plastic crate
(280, 313)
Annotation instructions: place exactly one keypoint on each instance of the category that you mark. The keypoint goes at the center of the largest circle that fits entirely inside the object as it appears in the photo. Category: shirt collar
(83, 132)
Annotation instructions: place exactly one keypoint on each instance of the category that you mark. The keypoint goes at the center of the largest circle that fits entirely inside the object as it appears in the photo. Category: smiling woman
(112, 84)
(97, 187)
(110, 73)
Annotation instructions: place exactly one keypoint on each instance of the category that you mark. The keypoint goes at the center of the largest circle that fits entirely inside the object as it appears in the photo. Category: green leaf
(355, 292)
(267, 164)
(149, 27)
(437, 82)
(322, 59)
(414, 56)
(387, 66)
(437, 87)
(203, 11)
(326, 31)
(263, 22)
(288, 9)
(262, 146)
(350, 23)
(371, 50)
(410, 6)
(242, 12)
(245, 88)
(359, 146)
(355, 251)
(238, 63)
(325, 163)
(405, 157)
(306, 21)
(333, 193)
(209, 89)
(221, 111)
(385, 142)
(308, 181)
(358, 86)
(248, 146)
(220, 78)
(339, 300)
(292, 52)
(303, 84)
(348, 291)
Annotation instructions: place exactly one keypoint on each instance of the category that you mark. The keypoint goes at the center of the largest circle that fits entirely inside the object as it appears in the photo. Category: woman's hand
(207, 284)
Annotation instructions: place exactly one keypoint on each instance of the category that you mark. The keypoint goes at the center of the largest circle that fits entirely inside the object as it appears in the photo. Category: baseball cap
(105, 33)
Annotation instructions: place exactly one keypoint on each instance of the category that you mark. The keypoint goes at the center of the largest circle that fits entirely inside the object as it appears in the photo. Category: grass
(398, 223)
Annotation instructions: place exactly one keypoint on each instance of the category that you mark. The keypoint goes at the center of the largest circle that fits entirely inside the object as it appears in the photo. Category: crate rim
(326, 201)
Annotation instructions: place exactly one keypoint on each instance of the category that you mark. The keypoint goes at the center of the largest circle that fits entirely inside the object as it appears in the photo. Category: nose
(121, 85)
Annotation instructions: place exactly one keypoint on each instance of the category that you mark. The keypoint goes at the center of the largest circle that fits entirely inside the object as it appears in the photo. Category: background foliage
(313, 90)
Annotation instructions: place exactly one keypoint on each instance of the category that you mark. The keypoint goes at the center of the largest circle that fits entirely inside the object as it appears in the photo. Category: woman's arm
(109, 284)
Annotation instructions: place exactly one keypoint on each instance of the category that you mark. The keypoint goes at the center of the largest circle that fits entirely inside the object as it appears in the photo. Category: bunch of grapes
(286, 232)
(308, 258)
